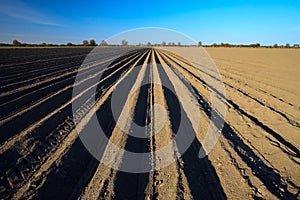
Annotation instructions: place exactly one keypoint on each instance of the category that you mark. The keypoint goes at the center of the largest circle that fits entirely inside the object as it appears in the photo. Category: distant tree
(43, 44)
(16, 43)
(254, 45)
(69, 44)
(275, 45)
(148, 44)
(287, 45)
(163, 43)
(103, 43)
(124, 43)
(171, 44)
(4, 44)
(85, 43)
(179, 43)
(93, 43)
(214, 45)
(199, 44)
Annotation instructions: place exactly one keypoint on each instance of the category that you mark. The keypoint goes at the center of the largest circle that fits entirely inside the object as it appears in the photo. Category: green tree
(287, 45)
(69, 44)
(199, 44)
(93, 43)
(275, 45)
(124, 43)
(163, 43)
(16, 42)
(85, 43)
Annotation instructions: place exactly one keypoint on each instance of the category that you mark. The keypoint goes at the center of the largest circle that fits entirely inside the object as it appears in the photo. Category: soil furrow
(35, 101)
(201, 175)
(64, 146)
(8, 143)
(102, 184)
(260, 102)
(65, 68)
(294, 150)
(270, 176)
(166, 137)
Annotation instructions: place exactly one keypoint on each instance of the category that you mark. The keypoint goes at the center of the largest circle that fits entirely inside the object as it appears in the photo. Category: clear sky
(233, 21)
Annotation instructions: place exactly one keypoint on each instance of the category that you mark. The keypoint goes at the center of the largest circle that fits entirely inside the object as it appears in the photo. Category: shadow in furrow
(202, 178)
(292, 122)
(295, 151)
(77, 166)
(272, 180)
(132, 185)
(70, 175)
(14, 126)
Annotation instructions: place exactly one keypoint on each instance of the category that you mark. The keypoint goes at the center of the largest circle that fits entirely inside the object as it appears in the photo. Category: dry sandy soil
(264, 84)
(256, 157)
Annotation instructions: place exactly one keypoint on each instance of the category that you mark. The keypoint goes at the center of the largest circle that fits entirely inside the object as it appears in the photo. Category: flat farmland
(42, 157)
(263, 85)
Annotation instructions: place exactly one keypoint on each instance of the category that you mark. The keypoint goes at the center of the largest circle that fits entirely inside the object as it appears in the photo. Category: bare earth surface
(256, 157)
(264, 84)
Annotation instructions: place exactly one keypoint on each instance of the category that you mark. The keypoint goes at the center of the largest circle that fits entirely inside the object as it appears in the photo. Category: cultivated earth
(42, 156)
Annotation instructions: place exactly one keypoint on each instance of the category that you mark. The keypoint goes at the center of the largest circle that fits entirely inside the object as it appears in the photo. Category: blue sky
(233, 21)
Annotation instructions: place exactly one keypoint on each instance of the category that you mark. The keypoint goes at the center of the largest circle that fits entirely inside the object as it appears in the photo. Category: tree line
(18, 43)
(123, 42)
(255, 45)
